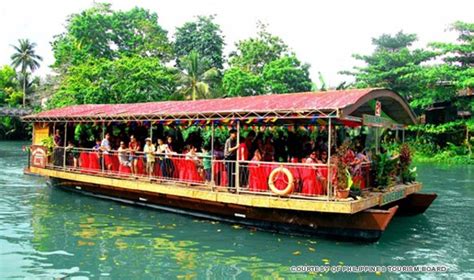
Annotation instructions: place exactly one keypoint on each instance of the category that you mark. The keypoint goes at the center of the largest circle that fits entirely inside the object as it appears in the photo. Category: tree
(9, 86)
(392, 64)
(286, 74)
(123, 80)
(462, 53)
(100, 32)
(195, 78)
(203, 36)
(25, 58)
(108, 56)
(254, 53)
(238, 82)
(444, 81)
(264, 64)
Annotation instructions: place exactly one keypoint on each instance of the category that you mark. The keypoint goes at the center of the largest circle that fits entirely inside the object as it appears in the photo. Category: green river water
(48, 233)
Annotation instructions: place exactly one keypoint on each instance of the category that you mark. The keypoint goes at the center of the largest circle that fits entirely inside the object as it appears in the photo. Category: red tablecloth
(220, 174)
(258, 177)
(179, 168)
(191, 173)
(84, 161)
(311, 184)
(140, 167)
(94, 161)
(124, 169)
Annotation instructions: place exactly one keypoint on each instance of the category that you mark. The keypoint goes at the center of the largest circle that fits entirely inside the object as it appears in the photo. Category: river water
(49, 233)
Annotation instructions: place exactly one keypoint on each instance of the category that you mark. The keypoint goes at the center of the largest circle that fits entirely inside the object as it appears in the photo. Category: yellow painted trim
(39, 133)
(346, 207)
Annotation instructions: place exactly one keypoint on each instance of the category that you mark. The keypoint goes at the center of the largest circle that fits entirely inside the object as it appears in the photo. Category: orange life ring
(289, 187)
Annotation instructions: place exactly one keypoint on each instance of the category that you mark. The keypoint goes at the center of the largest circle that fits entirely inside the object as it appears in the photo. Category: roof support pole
(329, 195)
(377, 140)
(212, 156)
(151, 131)
(237, 167)
(65, 145)
(102, 158)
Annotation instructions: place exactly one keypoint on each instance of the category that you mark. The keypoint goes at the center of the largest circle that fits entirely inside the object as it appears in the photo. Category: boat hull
(413, 204)
(366, 225)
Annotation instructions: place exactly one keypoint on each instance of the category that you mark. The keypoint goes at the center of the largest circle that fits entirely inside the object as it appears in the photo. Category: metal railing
(306, 180)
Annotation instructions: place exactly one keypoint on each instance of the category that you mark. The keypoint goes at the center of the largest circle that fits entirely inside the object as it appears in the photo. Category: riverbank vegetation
(111, 56)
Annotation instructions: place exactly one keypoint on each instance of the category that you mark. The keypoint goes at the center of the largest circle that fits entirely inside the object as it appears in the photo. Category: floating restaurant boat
(270, 195)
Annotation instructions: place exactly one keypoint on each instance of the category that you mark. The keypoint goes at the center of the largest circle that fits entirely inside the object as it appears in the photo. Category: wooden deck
(253, 200)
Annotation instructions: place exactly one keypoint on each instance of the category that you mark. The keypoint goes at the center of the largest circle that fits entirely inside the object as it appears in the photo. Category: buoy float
(271, 179)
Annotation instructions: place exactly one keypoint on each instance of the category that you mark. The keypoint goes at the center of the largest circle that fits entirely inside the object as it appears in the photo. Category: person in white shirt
(166, 164)
(149, 150)
(123, 155)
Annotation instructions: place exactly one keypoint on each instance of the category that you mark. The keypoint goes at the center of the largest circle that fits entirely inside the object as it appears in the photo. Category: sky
(323, 34)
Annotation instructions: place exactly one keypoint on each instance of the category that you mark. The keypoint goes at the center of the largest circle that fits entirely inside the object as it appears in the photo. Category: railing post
(237, 167)
(101, 153)
(212, 156)
(65, 145)
(29, 156)
(329, 160)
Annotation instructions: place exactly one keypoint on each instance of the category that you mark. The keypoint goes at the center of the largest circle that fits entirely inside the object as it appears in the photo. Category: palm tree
(195, 78)
(26, 58)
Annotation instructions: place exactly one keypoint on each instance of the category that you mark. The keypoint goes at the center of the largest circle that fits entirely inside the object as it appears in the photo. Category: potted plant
(407, 174)
(385, 169)
(355, 188)
(48, 143)
(344, 178)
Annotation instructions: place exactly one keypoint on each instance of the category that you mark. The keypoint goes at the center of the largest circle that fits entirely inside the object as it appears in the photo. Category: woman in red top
(243, 155)
(268, 150)
(311, 184)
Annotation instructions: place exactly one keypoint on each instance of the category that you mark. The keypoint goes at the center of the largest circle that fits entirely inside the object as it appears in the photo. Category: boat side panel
(367, 225)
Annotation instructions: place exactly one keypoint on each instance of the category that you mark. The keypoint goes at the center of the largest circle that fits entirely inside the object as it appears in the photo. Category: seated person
(313, 157)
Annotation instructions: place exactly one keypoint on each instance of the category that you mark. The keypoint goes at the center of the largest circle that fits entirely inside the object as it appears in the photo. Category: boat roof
(334, 103)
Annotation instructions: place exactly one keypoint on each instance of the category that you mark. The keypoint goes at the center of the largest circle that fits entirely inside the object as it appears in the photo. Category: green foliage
(203, 36)
(406, 173)
(48, 143)
(26, 58)
(385, 167)
(12, 128)
(342, 168)
(238, 82)
(196, 79)
(9, 93)
(286, 74)
(461, 53)
(264, 65)
(124, 80)
(392, 65)
(254, 53)
(447, 143)
(100, 32)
